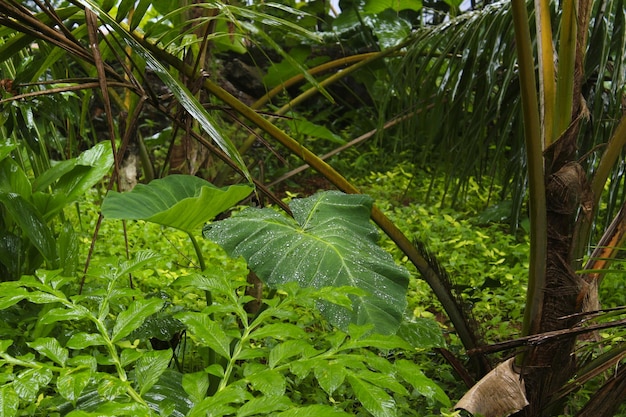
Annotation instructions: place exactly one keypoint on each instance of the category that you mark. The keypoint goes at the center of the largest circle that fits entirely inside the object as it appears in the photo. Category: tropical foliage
(506, 105)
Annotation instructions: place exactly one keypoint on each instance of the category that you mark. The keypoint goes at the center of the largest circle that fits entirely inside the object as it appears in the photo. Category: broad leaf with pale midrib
(329, 242)
(184, 202)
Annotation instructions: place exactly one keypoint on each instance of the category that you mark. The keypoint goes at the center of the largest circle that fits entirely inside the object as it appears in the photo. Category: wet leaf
(50, 348)
(131, 318)
(329, 242)
(150, 367)
(184, 202)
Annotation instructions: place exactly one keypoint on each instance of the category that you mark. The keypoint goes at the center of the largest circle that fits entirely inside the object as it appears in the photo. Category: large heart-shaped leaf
(329, 242)
(184, 202)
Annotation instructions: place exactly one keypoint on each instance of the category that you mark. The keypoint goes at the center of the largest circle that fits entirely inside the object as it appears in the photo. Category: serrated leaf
(184, 202)
(264, 405)
(289, 349)
(131, 318)
(50, 348)
(208, 332)
(150, 367)
(384, 342)
(270, 382)
(72, 382)
(40, 297)
(330, 376)
(374, 399)
(413, 374)
(9, 401)
(81, 341)
(316, 410)
(280, 331)
(329, 242)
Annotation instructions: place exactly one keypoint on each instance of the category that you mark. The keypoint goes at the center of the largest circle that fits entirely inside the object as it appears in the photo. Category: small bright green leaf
(72, 382)
(208, 332)
(330, 376)
(9, 401)
(330, 242)
(32, 224)
(40, 297)
(184, 202)
(50, 348)
(317, 410)
(413, 374)
(196, 386)
(373, 398)
(131, 318)
(264, 405)
(4, 344)
(150, 367)
(81, 341)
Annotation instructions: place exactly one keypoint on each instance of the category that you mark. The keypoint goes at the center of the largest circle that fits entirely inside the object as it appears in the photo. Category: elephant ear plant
(330, 241)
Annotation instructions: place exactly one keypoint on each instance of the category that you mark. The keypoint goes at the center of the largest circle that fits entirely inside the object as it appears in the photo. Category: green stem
(534, 152)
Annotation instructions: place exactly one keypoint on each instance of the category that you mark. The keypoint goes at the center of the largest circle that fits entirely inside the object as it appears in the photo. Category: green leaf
(196, 386)
(32, 224)
(377, 6)
(278, 331)
(63, 313)
(150, 367)
(28, 383)
(218, 404)
(270, 382)
(289, 349)
(330, 376)
(264, 405)
(207, 331)
(50, 348)
(330, 242)
(374, 399)
(71, 382)
(182, 94)
(9, 401)
(184, 202)
(73, 177)
(413, 374)
(81, 341)
(422, 333)
(316, 410)
(304, 127)
(131, 318)
(11, 295)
